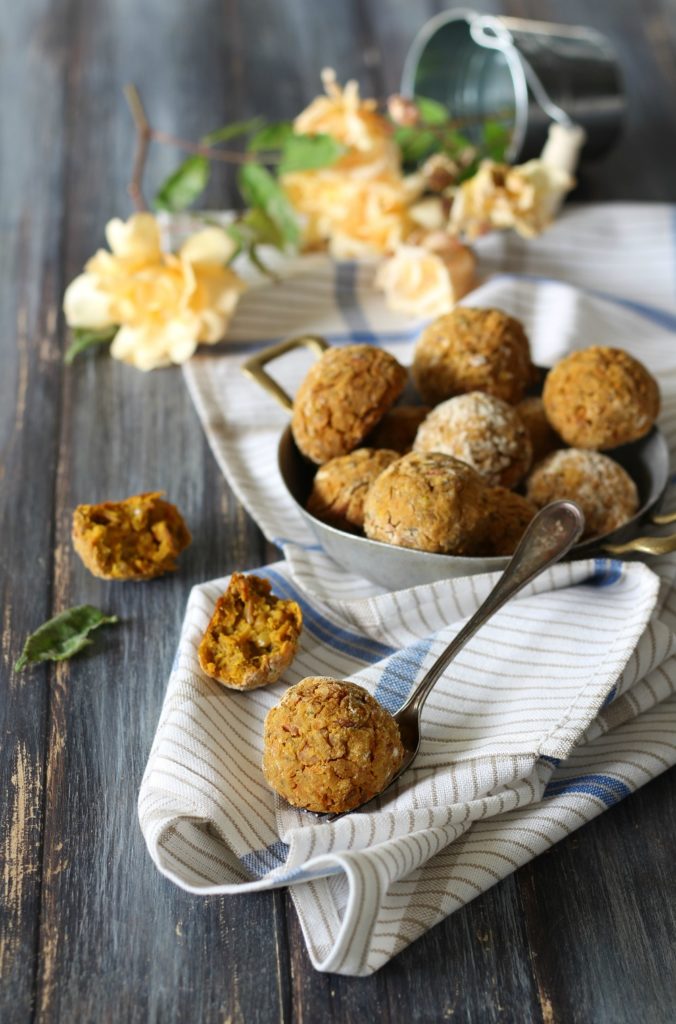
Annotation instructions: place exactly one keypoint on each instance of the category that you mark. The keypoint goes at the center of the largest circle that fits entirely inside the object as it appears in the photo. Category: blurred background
(64, 64)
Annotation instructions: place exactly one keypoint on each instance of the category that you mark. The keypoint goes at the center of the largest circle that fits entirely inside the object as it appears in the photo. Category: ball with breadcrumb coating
(483, 431)
(507, 515)
(340, 486)
(473, 350)
(252, 637)
(329, 746)
(600, 398)
(137, 538)
(398, 427)
(600, 486)
(344, 394)
(426, 500)
(543, 437)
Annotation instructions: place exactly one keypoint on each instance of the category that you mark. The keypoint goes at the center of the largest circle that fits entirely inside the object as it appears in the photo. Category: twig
(143, 137)
(228, 156)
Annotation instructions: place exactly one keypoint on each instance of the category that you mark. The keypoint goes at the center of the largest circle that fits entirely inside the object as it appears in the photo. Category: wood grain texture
(89, 930)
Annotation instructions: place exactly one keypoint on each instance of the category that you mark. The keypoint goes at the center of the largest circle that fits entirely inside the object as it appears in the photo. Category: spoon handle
(548, 538)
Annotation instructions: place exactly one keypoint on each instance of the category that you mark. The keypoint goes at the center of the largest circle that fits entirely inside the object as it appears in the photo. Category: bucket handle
(489, 33)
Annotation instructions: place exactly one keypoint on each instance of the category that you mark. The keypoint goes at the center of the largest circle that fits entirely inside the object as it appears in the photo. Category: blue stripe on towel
(348, 303)
(605, 787)
(661, 317)
(607, 571)
(341, 639)
(260, 862)
(399, 675)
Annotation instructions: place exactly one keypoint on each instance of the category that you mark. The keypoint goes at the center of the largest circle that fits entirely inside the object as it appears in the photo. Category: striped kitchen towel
(562, 705)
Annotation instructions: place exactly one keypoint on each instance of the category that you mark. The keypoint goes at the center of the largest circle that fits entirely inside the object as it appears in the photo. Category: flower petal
(136, 239)
(85, 304)
(212, 245)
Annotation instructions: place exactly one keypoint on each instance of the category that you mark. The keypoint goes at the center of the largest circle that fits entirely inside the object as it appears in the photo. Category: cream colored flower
(426, 280)
(356, 123)
(358, 205)
(163, 304)
(525, 198)
(360, 219)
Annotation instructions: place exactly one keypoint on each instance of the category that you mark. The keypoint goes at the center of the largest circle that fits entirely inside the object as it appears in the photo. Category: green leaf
(263, 230)
(308, 152)
(63, 636)
(272, 136)
(416, 144)
(255, 258)
(231, 131)
(431, 111)
(261, 191)
(184, 186)
(495, 140)
(85, 337)
(454, 143)
(252, 229)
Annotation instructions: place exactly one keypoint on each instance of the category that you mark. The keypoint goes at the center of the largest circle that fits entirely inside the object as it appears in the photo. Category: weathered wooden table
(90, 931)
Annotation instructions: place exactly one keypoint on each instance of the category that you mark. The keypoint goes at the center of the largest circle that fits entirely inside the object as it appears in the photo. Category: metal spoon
(548, 538)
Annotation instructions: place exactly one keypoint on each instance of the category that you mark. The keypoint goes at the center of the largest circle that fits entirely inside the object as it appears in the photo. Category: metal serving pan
(646, 461)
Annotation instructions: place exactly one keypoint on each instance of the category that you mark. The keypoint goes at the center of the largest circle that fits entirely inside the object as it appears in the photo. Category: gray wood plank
(112, 938)
(117, 941)
(600, 911)
(32, 74)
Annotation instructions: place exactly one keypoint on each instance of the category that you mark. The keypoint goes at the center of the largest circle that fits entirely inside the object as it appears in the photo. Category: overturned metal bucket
(522, 74)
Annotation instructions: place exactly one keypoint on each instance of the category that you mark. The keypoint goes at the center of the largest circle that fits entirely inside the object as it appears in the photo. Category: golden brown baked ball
(600, 486)
(473, 350)
(426, 500)
(134, 539)
(507, 515)
(600, 398)
(343, 396)
(252, 637)
(329, 746)
(340, 485)
(398, 427)
(483, 431)
(543, 437)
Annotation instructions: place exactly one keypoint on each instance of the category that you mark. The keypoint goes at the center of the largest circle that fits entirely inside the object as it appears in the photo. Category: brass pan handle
(644, 545)
(664, 518)
(648, 545)
(253, 367)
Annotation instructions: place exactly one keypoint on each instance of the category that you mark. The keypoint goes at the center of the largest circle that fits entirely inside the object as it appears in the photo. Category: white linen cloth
(563, 704)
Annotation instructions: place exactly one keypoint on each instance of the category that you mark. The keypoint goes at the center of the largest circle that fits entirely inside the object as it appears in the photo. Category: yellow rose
(164, 305)
(356, 123)
(426, 280)
(525, 197)
(359, 203)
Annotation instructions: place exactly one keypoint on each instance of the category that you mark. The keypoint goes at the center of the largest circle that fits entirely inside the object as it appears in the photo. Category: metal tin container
(646, 461)
(523, 74)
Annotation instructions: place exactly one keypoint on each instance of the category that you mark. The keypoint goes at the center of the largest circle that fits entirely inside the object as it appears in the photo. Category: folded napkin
(563, 704)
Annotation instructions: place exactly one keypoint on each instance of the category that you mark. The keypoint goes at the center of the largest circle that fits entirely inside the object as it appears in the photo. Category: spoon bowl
(550, 535)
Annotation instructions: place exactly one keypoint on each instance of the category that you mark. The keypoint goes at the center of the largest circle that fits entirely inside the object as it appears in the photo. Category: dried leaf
(63, 636)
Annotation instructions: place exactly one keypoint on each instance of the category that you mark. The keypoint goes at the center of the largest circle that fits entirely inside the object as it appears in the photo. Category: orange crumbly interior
(135, 539)
(253, 635)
